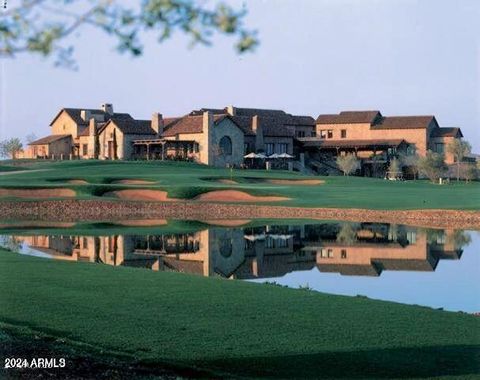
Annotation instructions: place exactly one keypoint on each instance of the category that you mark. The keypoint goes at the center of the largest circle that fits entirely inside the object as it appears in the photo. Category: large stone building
(217, 137)
(222, 137)
(375, 138)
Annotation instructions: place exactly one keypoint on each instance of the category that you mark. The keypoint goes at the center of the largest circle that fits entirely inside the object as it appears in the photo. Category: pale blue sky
(401, 57)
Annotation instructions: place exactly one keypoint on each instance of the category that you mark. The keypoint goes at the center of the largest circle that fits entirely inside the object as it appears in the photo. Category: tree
(348, 163)
(394, 168)
(31, 137)
(469, 172)
(459, 149)
(432, 165)
(43, 26)
(10, 148)
(410, 161)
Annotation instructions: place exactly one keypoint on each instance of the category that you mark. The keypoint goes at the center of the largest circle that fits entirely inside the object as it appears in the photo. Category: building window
(282, 148)
(300, 134)
(343, 133)
(343, 254)
(246, 148)
(196, 147)
(440, 148)
(411, 149)
(313, 134)
(226, 145)
(85, 149)
(85, 243)
(269, 148)
(326, 133)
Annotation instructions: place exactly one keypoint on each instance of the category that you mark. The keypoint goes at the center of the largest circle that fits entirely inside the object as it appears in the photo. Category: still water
(430, 267)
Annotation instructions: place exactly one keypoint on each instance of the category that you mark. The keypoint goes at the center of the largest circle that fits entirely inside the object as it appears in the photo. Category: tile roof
(404, 122)
(446, 132)
(75, 114)
(189, 124)
(49, 139)
(133, 126)
(349, 117)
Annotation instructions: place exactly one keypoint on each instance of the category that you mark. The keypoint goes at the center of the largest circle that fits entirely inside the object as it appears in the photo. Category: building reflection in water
(363, 249)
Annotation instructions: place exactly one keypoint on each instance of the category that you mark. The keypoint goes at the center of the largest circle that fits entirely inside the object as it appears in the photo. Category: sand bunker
(133, 182)
(235, 196)
(307, 182)
(228, 181)
(143, 222)
(77, 182)
(37, 193)
(228, 223)
(140, 195)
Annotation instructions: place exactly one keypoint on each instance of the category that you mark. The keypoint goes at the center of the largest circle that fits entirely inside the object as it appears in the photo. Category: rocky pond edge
(95, 210)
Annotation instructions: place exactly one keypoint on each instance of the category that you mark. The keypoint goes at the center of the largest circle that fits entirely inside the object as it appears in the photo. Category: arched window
(226, 145)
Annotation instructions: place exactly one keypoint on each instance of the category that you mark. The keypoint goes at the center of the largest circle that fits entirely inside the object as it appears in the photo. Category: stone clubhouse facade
(222, 137)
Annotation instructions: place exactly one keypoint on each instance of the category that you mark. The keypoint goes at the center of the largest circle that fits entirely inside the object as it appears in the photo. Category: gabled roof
(404, 122)
(132, 126)
(190, 124)
(75, 114)
(446, 132)
(370, 143)
(350, 117)
(49, 139)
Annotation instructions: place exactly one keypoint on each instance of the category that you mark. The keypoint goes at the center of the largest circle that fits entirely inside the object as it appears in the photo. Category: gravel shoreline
(94, 210)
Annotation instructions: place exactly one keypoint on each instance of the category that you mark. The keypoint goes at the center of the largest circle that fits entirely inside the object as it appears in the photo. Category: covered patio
(164, 149)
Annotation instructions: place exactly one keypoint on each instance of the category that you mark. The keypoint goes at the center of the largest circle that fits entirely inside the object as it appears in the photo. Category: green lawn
(229, 328)
(184, 180)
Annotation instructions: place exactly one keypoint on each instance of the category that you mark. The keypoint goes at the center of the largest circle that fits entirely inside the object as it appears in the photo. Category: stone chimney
(258, 130)
(231, 110)
(207, 146)
(157, 123)
(92, 127)
(107, 108)
(85, 115)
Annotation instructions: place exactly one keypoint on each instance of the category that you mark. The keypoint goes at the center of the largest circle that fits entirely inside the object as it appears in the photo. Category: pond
(431, 267)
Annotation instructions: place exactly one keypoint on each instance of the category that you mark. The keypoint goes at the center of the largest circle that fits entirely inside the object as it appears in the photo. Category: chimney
(231, 110)
(157, 123)
(258, 130)
(92, 127)
(107, 108)
(85, 115)
(207, 122)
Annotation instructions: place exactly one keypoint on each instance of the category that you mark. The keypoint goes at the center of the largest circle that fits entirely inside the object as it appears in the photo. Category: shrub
(348, 164)
(432, 166)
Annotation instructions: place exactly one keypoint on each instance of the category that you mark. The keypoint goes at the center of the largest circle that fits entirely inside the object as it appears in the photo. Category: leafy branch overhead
(42, 26)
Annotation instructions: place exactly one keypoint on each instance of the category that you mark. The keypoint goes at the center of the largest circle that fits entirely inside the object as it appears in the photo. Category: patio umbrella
(274, 155)
(285, 155)
(261, 155)
(251, 155)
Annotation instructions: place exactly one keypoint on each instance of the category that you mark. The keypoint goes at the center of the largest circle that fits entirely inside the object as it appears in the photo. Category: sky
(402, 57)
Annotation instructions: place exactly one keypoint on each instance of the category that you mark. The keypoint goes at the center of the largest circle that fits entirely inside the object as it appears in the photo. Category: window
(440, 148)
(343, 133)
(300, 134)
(326, 133)
(84, 149)
(343, 254)
(411, 149)
(314, 134)
(269, 148)
(226, 145)
(246, 148)
(85, 242)
(282, 148)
